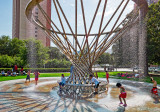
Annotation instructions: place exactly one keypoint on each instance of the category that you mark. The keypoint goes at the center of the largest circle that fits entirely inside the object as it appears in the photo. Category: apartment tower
(22, 28)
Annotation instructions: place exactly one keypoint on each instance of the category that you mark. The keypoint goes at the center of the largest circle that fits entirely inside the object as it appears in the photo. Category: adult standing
(15, 68)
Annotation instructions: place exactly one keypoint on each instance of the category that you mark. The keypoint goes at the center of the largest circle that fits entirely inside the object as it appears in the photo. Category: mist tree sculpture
(84, 53)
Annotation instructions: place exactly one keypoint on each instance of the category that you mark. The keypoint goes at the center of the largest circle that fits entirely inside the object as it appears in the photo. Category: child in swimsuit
(63, 82)
(107, 76)
(123, 94)
(28, 75)
(96, 82)
(154, 91)
(36, 73)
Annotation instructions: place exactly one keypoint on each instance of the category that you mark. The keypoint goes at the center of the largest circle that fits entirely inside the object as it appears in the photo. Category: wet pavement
(18, 96)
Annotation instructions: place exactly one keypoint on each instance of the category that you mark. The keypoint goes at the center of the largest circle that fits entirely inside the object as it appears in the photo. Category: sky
(68, 7)
(6, 17)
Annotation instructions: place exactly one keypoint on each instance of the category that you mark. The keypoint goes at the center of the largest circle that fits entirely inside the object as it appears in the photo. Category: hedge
(42, 70)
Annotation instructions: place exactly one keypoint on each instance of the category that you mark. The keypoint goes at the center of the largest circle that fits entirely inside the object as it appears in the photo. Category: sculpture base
(81, 90)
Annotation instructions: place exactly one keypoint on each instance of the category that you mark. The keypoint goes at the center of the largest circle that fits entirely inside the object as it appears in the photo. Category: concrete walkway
(18, 96)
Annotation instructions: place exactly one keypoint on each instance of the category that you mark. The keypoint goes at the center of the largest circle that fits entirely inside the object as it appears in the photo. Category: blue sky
(6, 17)
(68, 7)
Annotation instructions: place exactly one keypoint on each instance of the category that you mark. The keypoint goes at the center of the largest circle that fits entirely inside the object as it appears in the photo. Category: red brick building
(22, 28)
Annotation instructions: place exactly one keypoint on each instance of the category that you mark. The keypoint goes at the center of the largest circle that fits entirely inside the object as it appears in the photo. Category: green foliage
(37, 52)
(105, 58)
(153, 33)
(117, 54)
(4, 45)
(58, 63)
(11, 52)
(30, 53)
(43, 70)
(54, 53)
(8, 61)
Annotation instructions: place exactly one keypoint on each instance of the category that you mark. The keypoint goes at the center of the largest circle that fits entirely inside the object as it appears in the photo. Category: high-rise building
(22, 28)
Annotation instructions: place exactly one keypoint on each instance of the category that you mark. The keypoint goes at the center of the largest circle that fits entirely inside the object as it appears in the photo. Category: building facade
(130, 44)
(22, 28)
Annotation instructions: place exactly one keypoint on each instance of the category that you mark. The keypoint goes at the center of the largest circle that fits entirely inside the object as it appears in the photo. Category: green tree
(37, 54)
(4, 45)
(117, 54)
(54, 53)
(14, 49)
(7, 61)
(105, 58)
(153, 34)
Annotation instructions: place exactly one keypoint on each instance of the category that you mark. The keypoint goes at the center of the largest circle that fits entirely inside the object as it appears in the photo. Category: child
(63, 81)
(107, 76)
(36, 73)
(28, 75)
(95, 81)
(154, 91)
(122, 95)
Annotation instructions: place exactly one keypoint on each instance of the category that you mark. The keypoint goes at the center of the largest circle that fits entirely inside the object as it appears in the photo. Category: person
(36, 73)
(15, 68)
(136, 75)
(21, 71)
(154, 91)
(12, 68)
(14, 73)
(3, 73)
(123, 94)
(94, 81)
(107, 76)
(63, 81)
(28, 75)
(9, 73)
(24, 72)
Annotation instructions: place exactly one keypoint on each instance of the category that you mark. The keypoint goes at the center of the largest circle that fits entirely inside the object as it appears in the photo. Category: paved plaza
(18, 96)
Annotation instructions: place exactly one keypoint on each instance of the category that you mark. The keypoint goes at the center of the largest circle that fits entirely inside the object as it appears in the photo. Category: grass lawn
(4, 78)
(146, 79)
(100, 75)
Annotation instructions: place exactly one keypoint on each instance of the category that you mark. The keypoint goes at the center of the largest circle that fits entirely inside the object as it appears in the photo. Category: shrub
(41, 70)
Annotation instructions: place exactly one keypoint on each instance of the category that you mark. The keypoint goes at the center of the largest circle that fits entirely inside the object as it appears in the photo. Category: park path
(18, 96)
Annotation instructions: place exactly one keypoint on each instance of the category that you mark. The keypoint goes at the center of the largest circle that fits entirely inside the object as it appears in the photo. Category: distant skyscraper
(22, 28)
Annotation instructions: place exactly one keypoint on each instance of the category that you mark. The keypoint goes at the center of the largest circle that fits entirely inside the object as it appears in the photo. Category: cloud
(72, 5)
(108, 12)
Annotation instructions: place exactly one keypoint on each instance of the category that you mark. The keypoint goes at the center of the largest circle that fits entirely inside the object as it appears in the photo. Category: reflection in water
(120, 109)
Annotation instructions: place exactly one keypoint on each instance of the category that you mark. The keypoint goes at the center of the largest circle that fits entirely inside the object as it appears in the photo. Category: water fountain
(84, 44)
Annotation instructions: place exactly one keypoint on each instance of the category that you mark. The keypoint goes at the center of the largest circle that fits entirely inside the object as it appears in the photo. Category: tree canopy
(31, 53)
(153, 33)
